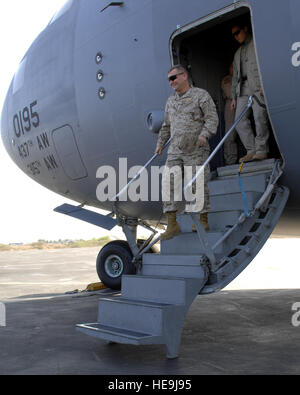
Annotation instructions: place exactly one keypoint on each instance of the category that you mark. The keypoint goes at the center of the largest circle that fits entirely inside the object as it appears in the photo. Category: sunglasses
(236, 33)
(173, 77)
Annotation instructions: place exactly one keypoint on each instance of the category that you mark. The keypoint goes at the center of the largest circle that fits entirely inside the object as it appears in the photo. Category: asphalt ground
(248, 328)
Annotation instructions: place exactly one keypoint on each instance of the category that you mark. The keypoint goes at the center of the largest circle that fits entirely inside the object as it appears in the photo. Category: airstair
(153, 303)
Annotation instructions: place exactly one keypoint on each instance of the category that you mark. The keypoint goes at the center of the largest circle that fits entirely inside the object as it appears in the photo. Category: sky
(26, 208)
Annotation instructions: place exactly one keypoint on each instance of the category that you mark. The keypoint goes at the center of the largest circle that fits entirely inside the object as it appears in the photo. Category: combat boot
(173, 228)
(247, 158)
(204, 222)
(260, 156)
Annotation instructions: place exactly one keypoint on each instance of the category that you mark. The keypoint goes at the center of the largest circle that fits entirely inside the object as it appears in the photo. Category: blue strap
(243, 193)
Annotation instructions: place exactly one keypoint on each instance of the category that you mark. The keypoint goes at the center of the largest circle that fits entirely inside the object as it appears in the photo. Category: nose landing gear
(114, 260)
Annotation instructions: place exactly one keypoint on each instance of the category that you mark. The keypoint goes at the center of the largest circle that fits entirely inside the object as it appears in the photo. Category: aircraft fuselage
(84, 90)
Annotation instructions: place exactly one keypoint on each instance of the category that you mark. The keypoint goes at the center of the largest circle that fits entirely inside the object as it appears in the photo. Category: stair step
(187, 244)
(251, 183)
(234, 201)
(187, 266)
(118, 335)
(249, 167)
(225, 193)
(154, 288)
(172, 260)
(120, 300)
(131, 314)
(221, 219)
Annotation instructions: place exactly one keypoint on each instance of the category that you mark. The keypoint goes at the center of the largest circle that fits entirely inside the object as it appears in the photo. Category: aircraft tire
(114, 260)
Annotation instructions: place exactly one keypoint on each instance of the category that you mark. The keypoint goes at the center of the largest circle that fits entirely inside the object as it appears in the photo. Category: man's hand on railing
(158, 151)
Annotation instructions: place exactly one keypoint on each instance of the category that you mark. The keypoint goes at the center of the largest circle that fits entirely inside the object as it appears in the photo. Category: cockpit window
(62, 11)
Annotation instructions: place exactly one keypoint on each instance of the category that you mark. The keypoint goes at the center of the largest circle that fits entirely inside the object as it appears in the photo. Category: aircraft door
(206, 48)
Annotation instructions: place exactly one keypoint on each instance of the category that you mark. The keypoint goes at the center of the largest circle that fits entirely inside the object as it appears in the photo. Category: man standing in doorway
(190, 119)
(230, 145)
(246, 82)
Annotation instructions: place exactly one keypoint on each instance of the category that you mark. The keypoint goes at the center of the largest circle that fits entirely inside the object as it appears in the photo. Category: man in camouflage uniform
(190, 119)
(246, 82)
(230, 145)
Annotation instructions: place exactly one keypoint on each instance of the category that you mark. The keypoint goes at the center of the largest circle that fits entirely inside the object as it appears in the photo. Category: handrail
(211, 156)
(146, 248)
(115, 198)
(250, 102)
(271, 185)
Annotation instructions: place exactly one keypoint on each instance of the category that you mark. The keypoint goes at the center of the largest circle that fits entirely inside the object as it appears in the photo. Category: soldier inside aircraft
(246, 82)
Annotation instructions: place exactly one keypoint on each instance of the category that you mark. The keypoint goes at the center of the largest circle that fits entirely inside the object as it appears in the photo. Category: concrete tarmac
(236, 331)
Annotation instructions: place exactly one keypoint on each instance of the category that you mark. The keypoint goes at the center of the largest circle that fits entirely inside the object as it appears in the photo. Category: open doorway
(206, 48)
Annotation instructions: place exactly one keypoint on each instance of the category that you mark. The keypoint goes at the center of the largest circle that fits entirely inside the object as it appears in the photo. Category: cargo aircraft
(91, 91)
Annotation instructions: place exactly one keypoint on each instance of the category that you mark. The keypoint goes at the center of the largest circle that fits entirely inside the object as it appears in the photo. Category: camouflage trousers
(178, 171)
(230, 145)
(254, 144)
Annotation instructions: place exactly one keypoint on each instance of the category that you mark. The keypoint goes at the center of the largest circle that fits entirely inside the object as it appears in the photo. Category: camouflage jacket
(188, 117)
(246, 55)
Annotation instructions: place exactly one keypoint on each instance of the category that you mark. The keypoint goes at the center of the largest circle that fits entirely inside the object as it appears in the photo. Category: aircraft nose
(6, 136)
(4, 124)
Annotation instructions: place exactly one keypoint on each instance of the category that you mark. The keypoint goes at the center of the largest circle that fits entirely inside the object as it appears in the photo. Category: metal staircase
(153, 304)
(151, 309)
